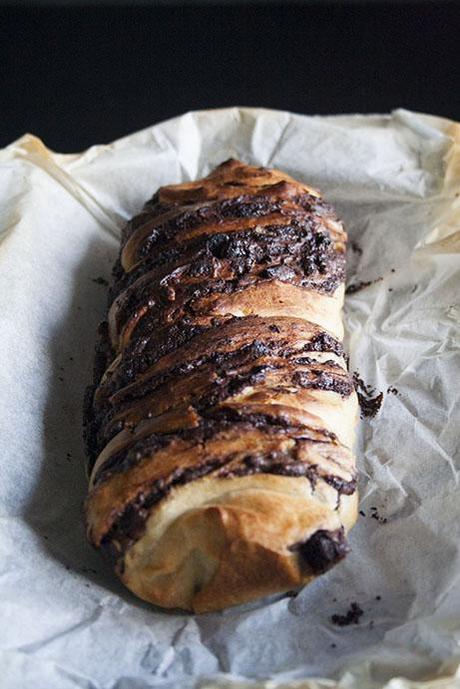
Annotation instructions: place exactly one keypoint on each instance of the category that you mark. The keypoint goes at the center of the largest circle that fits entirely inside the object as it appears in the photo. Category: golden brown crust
(221, 421)
(234, 547)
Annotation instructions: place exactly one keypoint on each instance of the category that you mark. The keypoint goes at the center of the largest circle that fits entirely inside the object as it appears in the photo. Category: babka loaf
(220, 424)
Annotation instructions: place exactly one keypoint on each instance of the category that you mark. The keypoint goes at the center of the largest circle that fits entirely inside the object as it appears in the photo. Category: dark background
(77, 76)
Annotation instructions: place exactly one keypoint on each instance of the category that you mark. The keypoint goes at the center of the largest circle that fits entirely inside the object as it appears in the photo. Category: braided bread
(219, 427)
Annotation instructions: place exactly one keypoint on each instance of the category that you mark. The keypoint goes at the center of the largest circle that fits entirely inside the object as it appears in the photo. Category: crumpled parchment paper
(65, 621)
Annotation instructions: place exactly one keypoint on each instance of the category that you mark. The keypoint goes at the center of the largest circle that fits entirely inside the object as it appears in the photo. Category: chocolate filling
(130, 524)
(91, 422)
(221, 342)
(223, 381)
(184, 219)
(155, 233)
(322, 550)
(319, 379)
(323, 342)
(340, 485)
(210, 425)
(230, 263)
(143, 352)
(271, 463)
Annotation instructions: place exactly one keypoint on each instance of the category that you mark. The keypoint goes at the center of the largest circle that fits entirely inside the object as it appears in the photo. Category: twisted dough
(220, 425)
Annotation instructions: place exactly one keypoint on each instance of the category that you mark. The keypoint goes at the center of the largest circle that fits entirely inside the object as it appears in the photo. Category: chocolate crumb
(393, 270)
(378, 598)
(390, 289)
(356, 248)
(333, 645)
(413, 289)
(392, 390)
(369, 402)
(61, 379)
(375, 515)
(351, 617)
(100, 281)
(358, 286)
(381, 520)
(362, 513)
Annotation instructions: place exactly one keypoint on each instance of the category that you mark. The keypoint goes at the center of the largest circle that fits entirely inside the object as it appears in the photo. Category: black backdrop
(83, 75)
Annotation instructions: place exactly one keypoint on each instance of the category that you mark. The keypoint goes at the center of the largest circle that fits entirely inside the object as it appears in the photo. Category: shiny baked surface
(220, 424)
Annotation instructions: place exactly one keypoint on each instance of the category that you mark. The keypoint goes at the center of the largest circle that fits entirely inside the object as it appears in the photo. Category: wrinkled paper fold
(66, 621)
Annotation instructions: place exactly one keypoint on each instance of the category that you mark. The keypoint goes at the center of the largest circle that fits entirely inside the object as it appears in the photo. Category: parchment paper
(65, 621)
